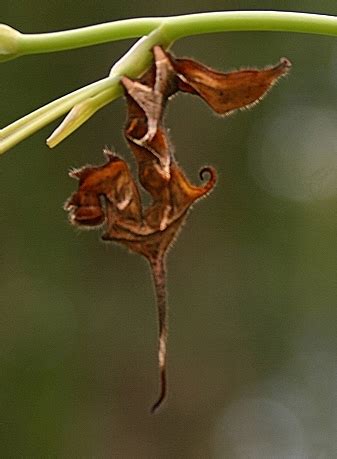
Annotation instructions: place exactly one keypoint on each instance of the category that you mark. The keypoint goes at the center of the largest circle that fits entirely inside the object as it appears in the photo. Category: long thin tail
(159, 279)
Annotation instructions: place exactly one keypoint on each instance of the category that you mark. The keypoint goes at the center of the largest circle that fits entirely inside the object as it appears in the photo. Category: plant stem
(177, 27)
(102, 92)
(29, 124)
(162, 31)
(87, 36)
(240, 21)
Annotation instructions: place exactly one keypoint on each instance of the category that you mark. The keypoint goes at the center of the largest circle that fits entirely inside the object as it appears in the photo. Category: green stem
(87, 36)
(240, 21)
(31, 123)
(179, 26)
(93, 97)
(86, 101)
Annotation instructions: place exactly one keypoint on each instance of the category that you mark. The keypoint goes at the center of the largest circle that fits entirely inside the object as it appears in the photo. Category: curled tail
(209, 185)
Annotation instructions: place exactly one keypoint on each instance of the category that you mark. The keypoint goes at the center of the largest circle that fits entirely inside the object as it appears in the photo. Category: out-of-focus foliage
(252, 279)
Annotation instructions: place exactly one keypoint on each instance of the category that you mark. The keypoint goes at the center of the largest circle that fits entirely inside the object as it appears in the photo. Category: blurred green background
(252, 278)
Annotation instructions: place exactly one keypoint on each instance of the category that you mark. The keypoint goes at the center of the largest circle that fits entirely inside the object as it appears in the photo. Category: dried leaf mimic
(109, 197)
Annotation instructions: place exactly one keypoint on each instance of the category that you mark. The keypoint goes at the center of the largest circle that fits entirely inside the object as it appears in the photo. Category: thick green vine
(83, 103)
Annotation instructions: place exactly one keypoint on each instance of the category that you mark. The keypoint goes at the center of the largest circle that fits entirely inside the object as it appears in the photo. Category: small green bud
(9, 43)
(78, 115)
